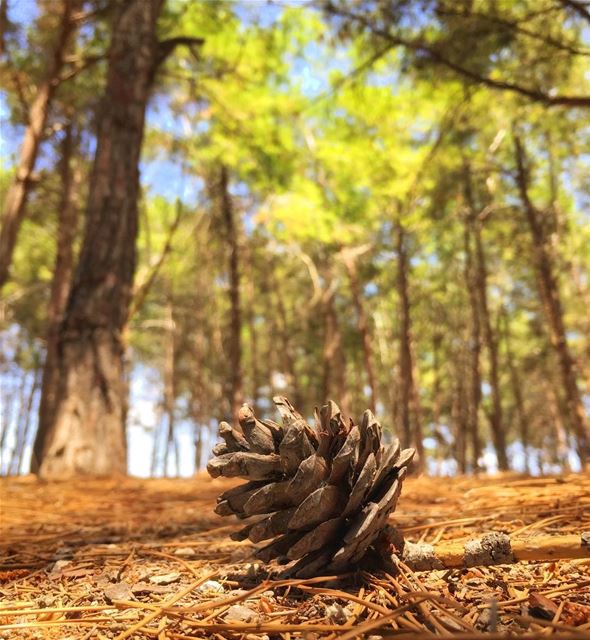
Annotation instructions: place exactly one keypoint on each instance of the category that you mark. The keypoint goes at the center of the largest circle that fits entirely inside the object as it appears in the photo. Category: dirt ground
(131, 558)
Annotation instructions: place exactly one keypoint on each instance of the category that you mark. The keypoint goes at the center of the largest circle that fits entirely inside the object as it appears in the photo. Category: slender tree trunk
(364, 331)
(518, 397)
(253, 331)
(474, 376)
(459, 418)
(287, 350)
(198, 449)
(170, 390)
(158, 429)
(480, 275)
(235, 328)
(559, 431)
(201, 396)
(407, 382)
(16, 198)
(18, 402)
(25, 427)
(71, 180)
(334, 385)
(553, 309)
(436, 385)
(496, 417)
(88, 432)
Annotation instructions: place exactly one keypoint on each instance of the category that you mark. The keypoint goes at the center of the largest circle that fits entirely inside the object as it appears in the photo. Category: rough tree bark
(235, 329)
(87, 435)
(71, 180)
(16, 198)
(407, 382)
(552, 307)
(474, 347)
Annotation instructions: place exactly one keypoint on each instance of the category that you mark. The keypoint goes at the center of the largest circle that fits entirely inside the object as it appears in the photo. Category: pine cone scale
(320, 505)
(322, 496)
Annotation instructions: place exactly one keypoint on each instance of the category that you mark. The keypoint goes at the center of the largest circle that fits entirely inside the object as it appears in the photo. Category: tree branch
(437, 57)
(143, 288)
(581, 8)
(166, 47)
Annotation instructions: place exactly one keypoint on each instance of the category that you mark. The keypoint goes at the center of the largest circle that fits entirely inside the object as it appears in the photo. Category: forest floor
(149, 559)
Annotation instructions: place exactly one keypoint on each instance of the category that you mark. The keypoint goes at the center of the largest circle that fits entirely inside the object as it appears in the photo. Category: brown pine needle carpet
(130, 558)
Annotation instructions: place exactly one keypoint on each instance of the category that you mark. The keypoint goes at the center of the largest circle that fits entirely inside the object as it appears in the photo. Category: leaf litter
(131, 558)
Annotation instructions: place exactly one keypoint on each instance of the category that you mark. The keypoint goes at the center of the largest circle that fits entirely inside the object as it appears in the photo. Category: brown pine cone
(324, 494)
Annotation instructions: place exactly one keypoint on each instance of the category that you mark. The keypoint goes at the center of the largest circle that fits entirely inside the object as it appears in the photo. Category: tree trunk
(364, 331)
(496, 417)
(460, 420)
(71, 180)
(285, 333)
(235, 328)
(334, 385)
(16, 198)
(473, 377)
(407, 383)
(24, 423)
(559, 431)
(480, 276)
(88, 432)
(3, 25)
(170, 390)
(253, 331)
(517, 392)
(552, 307)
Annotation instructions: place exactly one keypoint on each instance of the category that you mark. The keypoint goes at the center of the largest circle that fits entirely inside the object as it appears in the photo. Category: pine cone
(324, 494)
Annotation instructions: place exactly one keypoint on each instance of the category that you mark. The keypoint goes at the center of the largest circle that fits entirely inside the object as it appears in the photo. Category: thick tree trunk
(235, 328)
(411, 437)
(71, 180)
(16, 198)
(364, 330)
(88, 433)
(474, 348)
(553, 309)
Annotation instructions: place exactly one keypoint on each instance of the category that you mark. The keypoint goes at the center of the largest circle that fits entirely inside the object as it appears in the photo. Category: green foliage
(327, 153)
